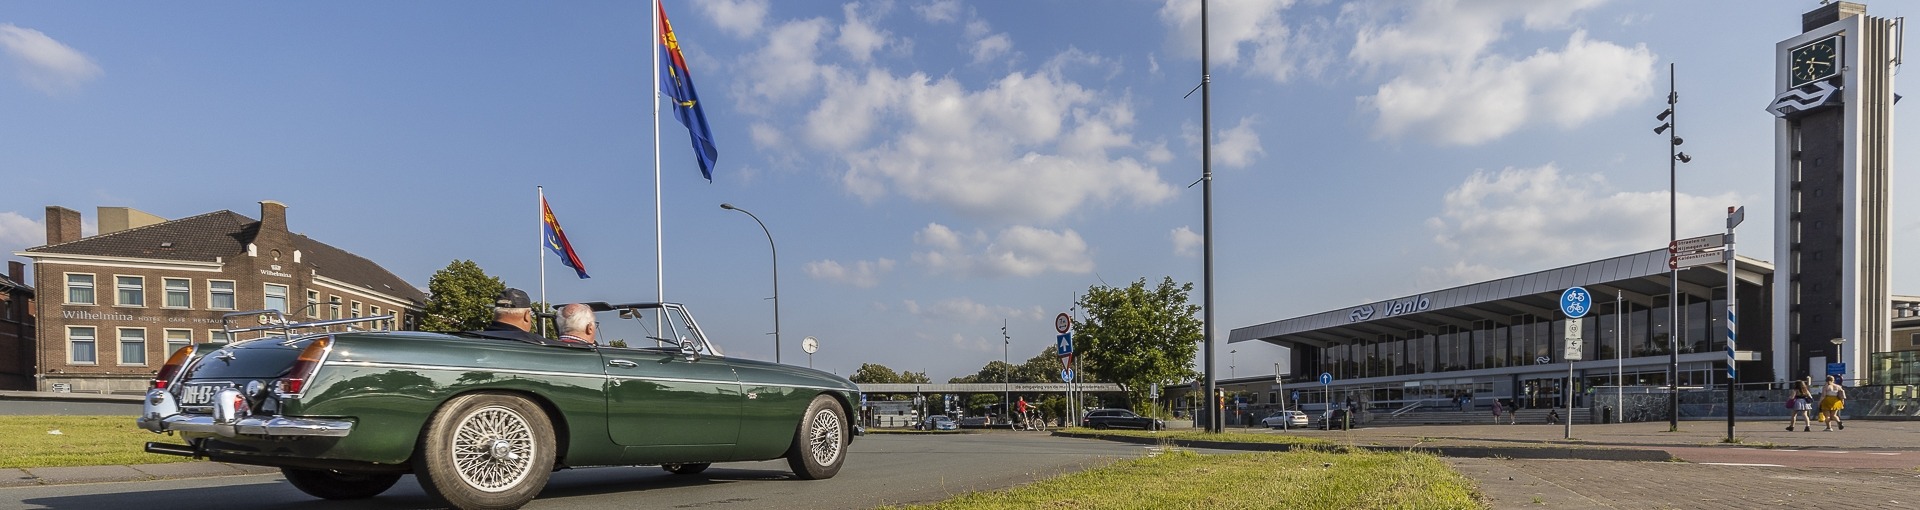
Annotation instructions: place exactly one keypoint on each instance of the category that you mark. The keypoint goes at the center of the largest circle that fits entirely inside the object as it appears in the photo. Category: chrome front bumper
(160, 413)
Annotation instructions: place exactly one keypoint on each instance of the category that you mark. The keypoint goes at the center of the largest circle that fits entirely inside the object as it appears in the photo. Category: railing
(1407, 408)
(274, 320)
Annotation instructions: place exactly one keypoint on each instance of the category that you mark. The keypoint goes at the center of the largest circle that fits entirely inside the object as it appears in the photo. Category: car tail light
(171, 370)
(303, 368)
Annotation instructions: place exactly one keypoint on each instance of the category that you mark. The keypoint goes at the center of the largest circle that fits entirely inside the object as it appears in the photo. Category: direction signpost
(1326, 394)
(1575, 302)
(1735, 215)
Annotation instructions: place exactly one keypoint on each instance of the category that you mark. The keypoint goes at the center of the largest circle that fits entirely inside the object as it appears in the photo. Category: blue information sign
(1063, 344)
(1326, 378)
(1575, 302)
(1839, 369)
(1296, 395)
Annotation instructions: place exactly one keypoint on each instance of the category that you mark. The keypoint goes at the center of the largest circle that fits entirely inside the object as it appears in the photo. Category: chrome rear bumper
(160, 413)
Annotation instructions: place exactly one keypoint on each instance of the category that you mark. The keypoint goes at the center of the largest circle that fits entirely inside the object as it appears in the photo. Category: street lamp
(1006, 374)
(1674, 159)
(1232, 358)
(776, 277)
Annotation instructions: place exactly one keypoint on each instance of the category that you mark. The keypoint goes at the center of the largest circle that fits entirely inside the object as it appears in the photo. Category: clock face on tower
(1816, 61)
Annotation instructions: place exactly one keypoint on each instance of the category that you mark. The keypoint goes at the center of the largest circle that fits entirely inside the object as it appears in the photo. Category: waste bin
(1606, 414)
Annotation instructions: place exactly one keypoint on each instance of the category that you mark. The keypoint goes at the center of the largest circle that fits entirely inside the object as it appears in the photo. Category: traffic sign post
(1735, 215)
(1575, 302)
(1326, 393)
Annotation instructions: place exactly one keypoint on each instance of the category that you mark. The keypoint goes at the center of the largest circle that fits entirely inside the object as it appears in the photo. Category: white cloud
(991, 47)
(967, 310)
(1249, 35)
(1525, 219)
(1448, 86)
(766, 136)
(1186, 242)
(786, 67)
(1238, 147)
(19, 232)
(44, 63)
(863, 274)
(740, 18)
(939, 11)
(1015, 251)
(1029, 147)
(858, 37)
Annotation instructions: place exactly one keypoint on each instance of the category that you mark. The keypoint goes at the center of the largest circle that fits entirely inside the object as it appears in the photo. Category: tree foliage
(874, 373)
(460, 297)
(1136, 336)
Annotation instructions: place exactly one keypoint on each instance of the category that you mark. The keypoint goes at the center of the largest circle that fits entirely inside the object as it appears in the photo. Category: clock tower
(1832, 160)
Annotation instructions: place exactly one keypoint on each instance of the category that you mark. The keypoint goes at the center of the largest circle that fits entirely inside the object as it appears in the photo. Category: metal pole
(776, 282)
(1567, 394)
(1006, 374)
(1214, 412)
(1733, 324)
(1619, 353)
(1673, 274)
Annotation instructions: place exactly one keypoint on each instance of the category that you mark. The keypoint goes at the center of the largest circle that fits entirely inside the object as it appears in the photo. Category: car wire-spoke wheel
(493, 449)
(827, 438)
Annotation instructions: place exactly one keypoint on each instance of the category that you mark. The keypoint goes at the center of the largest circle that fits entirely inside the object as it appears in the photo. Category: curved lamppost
(776, 277)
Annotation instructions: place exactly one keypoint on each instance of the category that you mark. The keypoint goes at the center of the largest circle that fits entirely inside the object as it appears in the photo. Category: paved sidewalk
(1859, 434)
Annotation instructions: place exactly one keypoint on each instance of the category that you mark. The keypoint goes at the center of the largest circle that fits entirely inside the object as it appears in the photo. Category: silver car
(1285, 419)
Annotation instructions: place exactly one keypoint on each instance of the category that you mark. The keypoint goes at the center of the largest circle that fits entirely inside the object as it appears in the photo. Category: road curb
(1494, 452)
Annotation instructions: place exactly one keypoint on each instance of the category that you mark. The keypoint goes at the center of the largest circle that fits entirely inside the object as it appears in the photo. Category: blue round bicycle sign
(1575, 302)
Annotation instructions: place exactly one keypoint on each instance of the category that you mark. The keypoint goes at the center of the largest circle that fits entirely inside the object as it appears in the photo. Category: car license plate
(200, 394)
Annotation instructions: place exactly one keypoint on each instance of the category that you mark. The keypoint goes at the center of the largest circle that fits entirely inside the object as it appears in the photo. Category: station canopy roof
(1640, 278)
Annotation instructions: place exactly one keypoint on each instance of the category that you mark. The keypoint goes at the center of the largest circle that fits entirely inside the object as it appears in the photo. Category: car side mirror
(688, 351)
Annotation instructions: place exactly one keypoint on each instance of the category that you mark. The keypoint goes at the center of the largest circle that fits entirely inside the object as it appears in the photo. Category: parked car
(976, 422)
(939, 422)
(1102, 419)
(1285, 419)
(483, 418)
(1336, 419)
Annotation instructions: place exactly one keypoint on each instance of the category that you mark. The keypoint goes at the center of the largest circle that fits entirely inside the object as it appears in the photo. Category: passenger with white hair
(576, 324)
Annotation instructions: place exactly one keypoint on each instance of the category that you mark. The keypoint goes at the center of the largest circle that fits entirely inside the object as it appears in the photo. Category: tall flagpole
(659, 257)
(542, 251)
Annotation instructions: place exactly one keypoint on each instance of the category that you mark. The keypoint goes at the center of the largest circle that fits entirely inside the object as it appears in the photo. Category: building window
(131, 290)
(133, 346)
(79, 289)
(355, 310)
(80, 346)
(220, 294)
(333, 307)
(276, 297)
(179, 292)
(373, 311)
(177, 338)
(1914, 340)
(313, 303)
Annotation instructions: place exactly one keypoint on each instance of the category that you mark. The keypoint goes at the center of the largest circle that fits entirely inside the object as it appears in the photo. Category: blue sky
(929, 169)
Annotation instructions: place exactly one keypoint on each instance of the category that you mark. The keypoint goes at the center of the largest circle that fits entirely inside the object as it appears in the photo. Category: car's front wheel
(331, 484)
(486, 451)
(820, 443)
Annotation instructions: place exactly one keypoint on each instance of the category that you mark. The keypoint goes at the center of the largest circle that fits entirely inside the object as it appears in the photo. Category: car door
(668, 406)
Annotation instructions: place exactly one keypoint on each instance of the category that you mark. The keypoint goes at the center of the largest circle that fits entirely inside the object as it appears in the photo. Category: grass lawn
(1230, 436)
(1306, 479)
(28, 442)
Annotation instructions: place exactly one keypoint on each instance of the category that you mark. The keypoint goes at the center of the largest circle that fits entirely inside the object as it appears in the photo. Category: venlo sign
(1389, 309)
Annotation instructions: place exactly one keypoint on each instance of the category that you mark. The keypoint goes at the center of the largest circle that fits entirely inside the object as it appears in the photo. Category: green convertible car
(482, 418)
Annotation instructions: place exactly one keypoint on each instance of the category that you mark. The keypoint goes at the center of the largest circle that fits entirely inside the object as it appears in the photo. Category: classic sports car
(482, 418)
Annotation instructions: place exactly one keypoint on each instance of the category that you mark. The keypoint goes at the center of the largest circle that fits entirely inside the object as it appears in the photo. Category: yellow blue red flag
(557, 241)
(678, 84)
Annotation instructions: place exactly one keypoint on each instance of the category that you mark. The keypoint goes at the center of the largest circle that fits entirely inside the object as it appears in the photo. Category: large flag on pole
(675, 81)
(557, 240)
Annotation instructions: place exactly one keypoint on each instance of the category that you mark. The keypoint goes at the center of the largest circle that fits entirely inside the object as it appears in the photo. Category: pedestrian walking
(1800, 405)
(1497, 408)
(1833, 398)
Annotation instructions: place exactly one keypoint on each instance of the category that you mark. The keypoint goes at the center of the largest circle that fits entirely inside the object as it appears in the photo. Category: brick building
(113, 306)
(16, 329)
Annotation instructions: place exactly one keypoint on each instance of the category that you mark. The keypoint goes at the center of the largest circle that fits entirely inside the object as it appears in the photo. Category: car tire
(820, 441)
(1099, 426)
(485, 451)
(691, 468)
(332, 484)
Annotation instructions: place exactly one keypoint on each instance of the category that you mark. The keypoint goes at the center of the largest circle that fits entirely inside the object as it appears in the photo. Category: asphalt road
(881, 470)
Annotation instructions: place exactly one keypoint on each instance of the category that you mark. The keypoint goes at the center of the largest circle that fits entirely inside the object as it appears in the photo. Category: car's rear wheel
(486, 451)
(820, 443)
(686, 469)
(1100, 426)
(331, 484)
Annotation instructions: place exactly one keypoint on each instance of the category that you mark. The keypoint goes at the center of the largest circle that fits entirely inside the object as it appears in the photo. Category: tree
(1136, 337)
(460, 297)
(872, 373)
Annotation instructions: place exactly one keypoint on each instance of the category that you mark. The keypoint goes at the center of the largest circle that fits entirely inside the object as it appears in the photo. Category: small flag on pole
(678, 84)
(557, 241)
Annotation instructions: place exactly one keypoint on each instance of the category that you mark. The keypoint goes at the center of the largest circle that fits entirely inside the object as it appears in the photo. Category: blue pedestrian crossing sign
(1066, 375)
(1576, 302)
(1326, 378)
